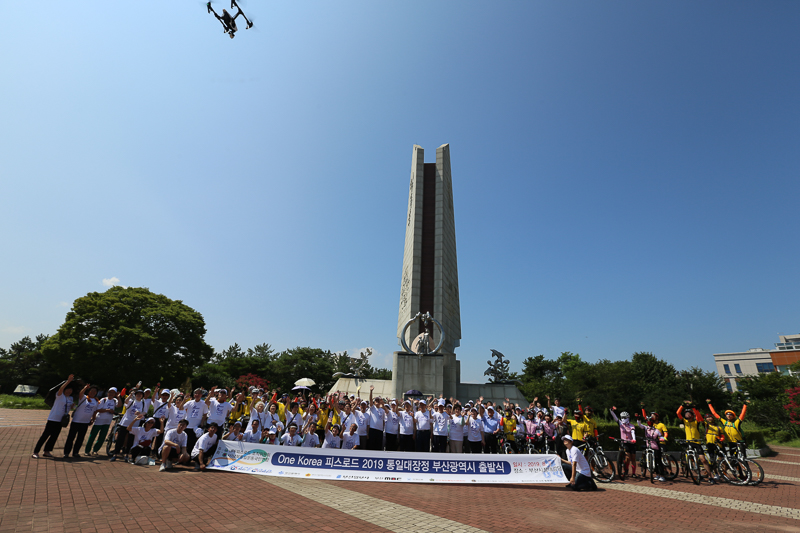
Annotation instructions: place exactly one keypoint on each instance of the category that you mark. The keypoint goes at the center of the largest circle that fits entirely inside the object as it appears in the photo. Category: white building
(736, 365)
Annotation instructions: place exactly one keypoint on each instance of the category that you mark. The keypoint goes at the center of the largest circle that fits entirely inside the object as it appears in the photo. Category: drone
(229, 22)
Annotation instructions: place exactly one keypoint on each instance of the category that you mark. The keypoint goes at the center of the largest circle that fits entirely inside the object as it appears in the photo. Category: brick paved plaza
(94, 495)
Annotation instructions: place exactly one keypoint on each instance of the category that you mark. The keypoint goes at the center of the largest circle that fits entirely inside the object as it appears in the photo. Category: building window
(738, 368)
(765, 367)
(728, 385)
(727, 369)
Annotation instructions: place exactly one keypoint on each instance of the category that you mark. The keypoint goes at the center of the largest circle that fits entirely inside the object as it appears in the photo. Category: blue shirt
(490, 425)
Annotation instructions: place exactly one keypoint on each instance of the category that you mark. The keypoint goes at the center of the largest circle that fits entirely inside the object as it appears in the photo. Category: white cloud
(64, 304)
(16, 330)
(110, 282)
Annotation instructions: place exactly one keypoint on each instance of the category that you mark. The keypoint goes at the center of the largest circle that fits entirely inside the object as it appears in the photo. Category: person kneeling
(581, 478)
(201, 452)
(174, 447)
(143, 437)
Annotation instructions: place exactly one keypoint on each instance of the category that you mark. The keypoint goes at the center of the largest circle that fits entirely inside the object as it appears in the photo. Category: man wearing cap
(408, 428)
(218, 406)
(391, 426)
(196, 415)
(134, 405)
(491, 428)
(423, 423)
(361, 416)
(102, 421)
(439, 421)
(161, 410)
(377, 419)
(143, 436)
(581, 477)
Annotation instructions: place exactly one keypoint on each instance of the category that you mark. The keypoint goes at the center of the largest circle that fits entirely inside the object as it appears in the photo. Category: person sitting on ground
(235, 432)
(291, 438)
(310, 438)
(332, 439)
(52, 429)
(143, 436)
(351, 439)
(200, 452)
(581, 476)
(253, 434)
(174, 447)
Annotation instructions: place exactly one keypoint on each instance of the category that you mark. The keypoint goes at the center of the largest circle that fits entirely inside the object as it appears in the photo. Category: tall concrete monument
(429, 316)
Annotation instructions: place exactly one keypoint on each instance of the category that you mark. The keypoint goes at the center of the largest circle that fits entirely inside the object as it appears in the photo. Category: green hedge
(8, 401)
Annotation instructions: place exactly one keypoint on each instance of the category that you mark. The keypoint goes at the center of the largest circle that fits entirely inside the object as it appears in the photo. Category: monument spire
(429, 280)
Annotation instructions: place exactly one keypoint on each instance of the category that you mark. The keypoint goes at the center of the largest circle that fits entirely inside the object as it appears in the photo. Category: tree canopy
(128, 334)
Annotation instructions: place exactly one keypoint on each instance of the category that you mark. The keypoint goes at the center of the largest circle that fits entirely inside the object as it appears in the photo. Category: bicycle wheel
(651, 466)
(756, 472)
(602, 469)
(694, 469)
(739, 473)
(670, 466)
(112, 439)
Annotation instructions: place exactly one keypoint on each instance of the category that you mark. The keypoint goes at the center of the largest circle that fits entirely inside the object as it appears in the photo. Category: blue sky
(625, 173)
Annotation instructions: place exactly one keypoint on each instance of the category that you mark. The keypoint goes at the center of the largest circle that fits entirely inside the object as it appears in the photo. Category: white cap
(423, 402)
(148, 390)
(441, 401)
(112, 389)
(166, 391)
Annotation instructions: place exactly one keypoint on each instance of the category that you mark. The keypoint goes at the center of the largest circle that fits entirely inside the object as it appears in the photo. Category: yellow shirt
(509, 426)
(579, 429)
(592, 423)
(713, 433)
(662, 428)
(322, 418)
(732, 429)
(691, 429)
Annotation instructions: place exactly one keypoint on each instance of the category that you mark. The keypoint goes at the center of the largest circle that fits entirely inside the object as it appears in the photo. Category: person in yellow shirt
(691, 424)
(732, 426)
(580, 429)
(510, 427)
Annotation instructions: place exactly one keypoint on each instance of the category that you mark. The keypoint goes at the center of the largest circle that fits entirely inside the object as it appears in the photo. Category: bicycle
(112, 434)
(727, 467)
(689, 461)
(602, 468)
(757, 473)
(505, 445)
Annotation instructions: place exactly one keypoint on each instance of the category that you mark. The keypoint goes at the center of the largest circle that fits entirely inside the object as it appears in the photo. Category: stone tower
(430, 268)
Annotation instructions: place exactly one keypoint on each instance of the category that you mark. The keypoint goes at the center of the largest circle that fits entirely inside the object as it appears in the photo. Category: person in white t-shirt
(350, 440)
(218, 406)
(52, 429)
(474, 426)
(81, 418)
(391, 426)
(270, 436)
(174, 447)
(456, 430)
(293, 416)
(310, 438)
(143, 436)
(102, 421)
(133, 404)
(361, 416)
(332, 439)
(581, 477)
(439, 421)
(423, 421)
(196, 415)
(291, 438)
(253, 434)
(235, 432)
(176, 411)
(201, 453)
(408, 428)
(377, 420)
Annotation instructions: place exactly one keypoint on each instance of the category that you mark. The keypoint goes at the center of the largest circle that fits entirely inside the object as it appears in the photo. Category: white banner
(402, 467)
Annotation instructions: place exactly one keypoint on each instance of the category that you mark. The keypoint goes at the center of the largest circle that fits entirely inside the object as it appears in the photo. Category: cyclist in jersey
(653, 439)
(658, 424)
(588, 417)
(580, 429)
(691, 421)
(627, 434)
(732, 426)
(714, 434)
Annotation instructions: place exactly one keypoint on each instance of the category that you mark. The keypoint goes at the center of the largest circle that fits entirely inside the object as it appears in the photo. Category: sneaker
(660, 478)
(162, 468)
(113, 458)
(35, 455)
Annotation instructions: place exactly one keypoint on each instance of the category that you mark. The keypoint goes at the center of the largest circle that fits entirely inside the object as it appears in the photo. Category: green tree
(23, 364)
(128, 334)
(767, 399)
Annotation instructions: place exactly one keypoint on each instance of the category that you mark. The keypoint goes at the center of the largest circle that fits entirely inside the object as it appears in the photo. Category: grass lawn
(9, 401)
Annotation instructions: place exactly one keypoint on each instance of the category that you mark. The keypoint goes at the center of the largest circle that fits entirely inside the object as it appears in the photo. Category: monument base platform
(433, 375)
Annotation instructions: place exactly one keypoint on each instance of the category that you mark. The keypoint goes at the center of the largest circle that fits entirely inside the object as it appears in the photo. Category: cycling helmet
(624, 414)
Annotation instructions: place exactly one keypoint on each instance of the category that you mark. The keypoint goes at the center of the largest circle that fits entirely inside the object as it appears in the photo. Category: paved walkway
(93, 495)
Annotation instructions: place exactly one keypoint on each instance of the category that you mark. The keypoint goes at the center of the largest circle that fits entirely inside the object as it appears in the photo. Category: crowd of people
(178, 427)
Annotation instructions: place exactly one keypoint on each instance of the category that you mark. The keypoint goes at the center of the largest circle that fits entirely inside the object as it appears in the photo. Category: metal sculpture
(498, 370)
(424, 344)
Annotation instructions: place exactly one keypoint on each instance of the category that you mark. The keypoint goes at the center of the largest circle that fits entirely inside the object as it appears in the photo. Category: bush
(783, 436)
(8, 401)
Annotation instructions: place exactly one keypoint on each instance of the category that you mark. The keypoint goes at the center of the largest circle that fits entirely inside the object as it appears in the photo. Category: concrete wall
(490, 392)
